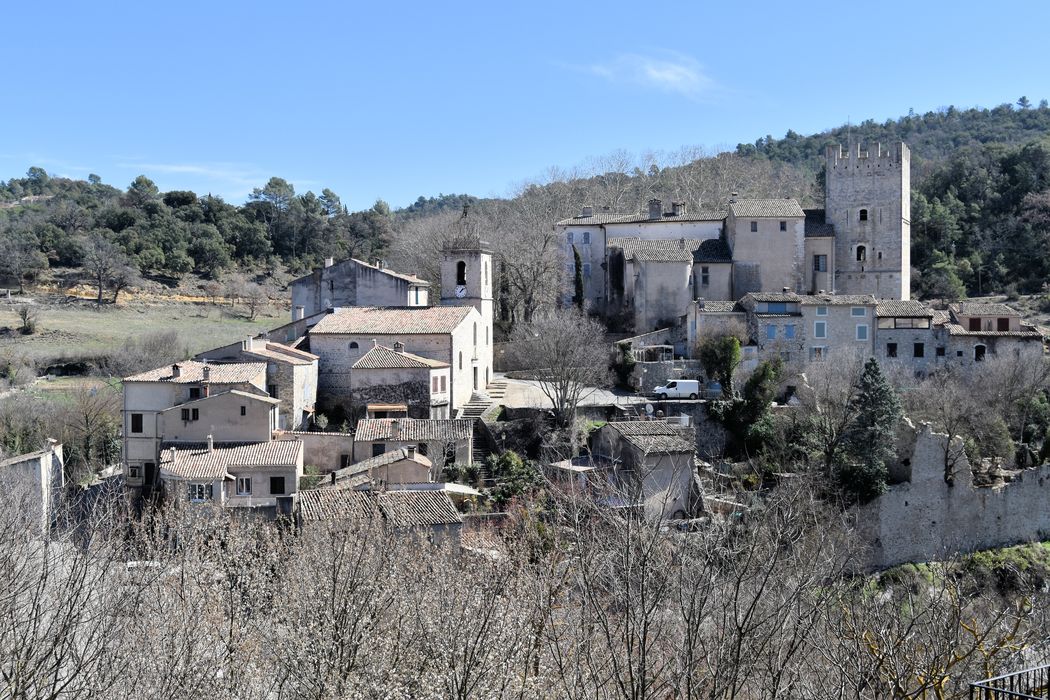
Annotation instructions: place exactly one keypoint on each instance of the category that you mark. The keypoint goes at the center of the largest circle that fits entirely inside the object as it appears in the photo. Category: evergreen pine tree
(872, 437)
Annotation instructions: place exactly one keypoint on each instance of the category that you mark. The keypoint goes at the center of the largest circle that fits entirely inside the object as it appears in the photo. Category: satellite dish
(649, 409)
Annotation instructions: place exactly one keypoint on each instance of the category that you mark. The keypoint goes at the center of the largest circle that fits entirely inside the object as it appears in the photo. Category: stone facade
(355, 283)
(36, 480)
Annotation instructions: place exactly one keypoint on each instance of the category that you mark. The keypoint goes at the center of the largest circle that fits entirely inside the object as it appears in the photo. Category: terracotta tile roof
(773, 296)
(713, 250)
(398, 509)
(281, 353)
(766, 208)
(655, 436)
(192, 372)
(413, 429)
(903, 308)
(717, 307)
(382, 357)
(838, 299)
(673, 444)
(675, 250)
(645, 427)
(402, 320)
(193, 460)
(1025, 332)
(975, 308)
(382, 460)
(602, 218)
(596, 219)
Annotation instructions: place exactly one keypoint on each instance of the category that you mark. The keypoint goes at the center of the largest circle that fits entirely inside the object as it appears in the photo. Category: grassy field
(78, 329)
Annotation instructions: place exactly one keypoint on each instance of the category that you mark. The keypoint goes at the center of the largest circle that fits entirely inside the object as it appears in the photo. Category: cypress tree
(578, 280)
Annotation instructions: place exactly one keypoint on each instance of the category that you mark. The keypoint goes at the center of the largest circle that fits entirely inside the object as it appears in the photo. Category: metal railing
(1029, 684)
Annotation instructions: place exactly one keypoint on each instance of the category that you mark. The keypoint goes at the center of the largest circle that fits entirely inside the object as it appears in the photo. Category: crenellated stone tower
(869, 203)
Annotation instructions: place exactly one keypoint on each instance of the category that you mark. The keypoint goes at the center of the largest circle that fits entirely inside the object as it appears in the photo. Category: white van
(679, 389)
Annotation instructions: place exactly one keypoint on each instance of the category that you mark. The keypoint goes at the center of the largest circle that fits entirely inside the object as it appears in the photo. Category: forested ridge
(980, 212)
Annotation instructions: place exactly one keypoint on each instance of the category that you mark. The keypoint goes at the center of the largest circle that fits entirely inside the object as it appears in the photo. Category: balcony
(1029, 684)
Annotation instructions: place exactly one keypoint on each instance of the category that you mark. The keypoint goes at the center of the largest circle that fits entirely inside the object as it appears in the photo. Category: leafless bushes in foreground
(584, 603)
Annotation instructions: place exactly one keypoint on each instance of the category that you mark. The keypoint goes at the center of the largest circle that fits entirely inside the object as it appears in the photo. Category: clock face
(461, 291)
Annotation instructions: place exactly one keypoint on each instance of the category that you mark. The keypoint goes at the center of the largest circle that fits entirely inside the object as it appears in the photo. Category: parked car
(678, 389)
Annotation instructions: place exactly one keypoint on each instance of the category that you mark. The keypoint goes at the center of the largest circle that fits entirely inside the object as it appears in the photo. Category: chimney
(300, 313)
(821, 291)
(248, 344)
(587, 211)
(678, 208)
(410, 451)
(399, 346)
(206, 372)
(785, 290)
(732, 196)
(211, 443)
(656, 210)
(176, 371)
(328, 262)
(395, 429)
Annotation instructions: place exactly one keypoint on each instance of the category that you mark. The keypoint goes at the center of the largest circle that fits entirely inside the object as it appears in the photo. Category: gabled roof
(890, 308)
(837, 300)
(654, 436)
(1025, 332)
(278, 352)
(399, 509)
(382, 357)
(660, 250)
(673, 444)
(193, 460)
(715, 306)
(603, 218)
(382, 460)
(976, 308)
(414, 429)
(596, 219)
(766, 208)
(765, 297)
(192, 372)
(411, 279)
(246, 395)
(398, 320)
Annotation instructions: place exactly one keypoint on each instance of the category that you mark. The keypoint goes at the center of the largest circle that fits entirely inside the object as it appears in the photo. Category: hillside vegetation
(980, 212)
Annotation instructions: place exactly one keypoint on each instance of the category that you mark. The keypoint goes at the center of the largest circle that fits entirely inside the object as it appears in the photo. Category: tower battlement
(861, 155)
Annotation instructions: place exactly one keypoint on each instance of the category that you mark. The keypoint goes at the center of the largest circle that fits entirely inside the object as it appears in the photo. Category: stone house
(649, 464)
(978, 331)
(355, 283)
(393, 376)
(837, 324)
(148, 394)
(454, 335)
(442, 441)
(775, 325)
(402, 511)
(905, 334)
(291, 376)
(37, 479)
(392, 468)
(323, 452)
(236, 416)
(261, 477)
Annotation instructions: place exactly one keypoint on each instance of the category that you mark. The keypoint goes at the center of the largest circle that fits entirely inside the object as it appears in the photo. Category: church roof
(766, 208)
(392, 320)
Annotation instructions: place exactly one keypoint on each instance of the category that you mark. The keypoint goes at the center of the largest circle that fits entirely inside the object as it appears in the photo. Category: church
(651, 266)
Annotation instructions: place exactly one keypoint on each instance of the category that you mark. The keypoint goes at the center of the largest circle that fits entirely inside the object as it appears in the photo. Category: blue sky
(397, 100)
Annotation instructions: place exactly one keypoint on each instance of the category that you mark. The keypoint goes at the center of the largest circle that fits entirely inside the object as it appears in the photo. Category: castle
(653, 265)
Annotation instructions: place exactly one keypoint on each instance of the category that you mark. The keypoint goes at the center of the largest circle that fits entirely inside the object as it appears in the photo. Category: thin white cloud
(668, 72)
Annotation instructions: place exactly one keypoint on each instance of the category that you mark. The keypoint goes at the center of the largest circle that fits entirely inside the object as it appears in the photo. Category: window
(136, 422)
(461, 359)
(1002, 324)
(190, 414)
(271, 389)
(486, 335)
(822, 311)
(919, 350)
(862, 253)
(244, 486)
(586, 269)
(818, 352)
(461, 272)
(975, 324)
(891, 349)
(771, 332)
(568, 237)
(979, 351)
(858, 311)
(133, 471)
(195, 414)
(185, 414)
(820, 329)
(783, 226)
(820, 263)
(789, 330)
(434, 384)
(863, 215)
(276, 485)
(378, 448)
(777, 307)
(344, 461)
(200, 492)
(586, 237)
(354, 345)
(195, 393)
(940, 351)
(754, 227)
(705, 276)
(422, 448)
(862, 331)
(444, 387)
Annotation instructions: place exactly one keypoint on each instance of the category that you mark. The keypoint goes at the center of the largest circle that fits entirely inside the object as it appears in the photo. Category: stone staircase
(478, 404)
(497, 390)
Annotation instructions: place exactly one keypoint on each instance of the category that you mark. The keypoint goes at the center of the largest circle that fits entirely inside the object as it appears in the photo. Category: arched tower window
(863, 214)
(862, 253)
(461, 272)
(353, 345)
